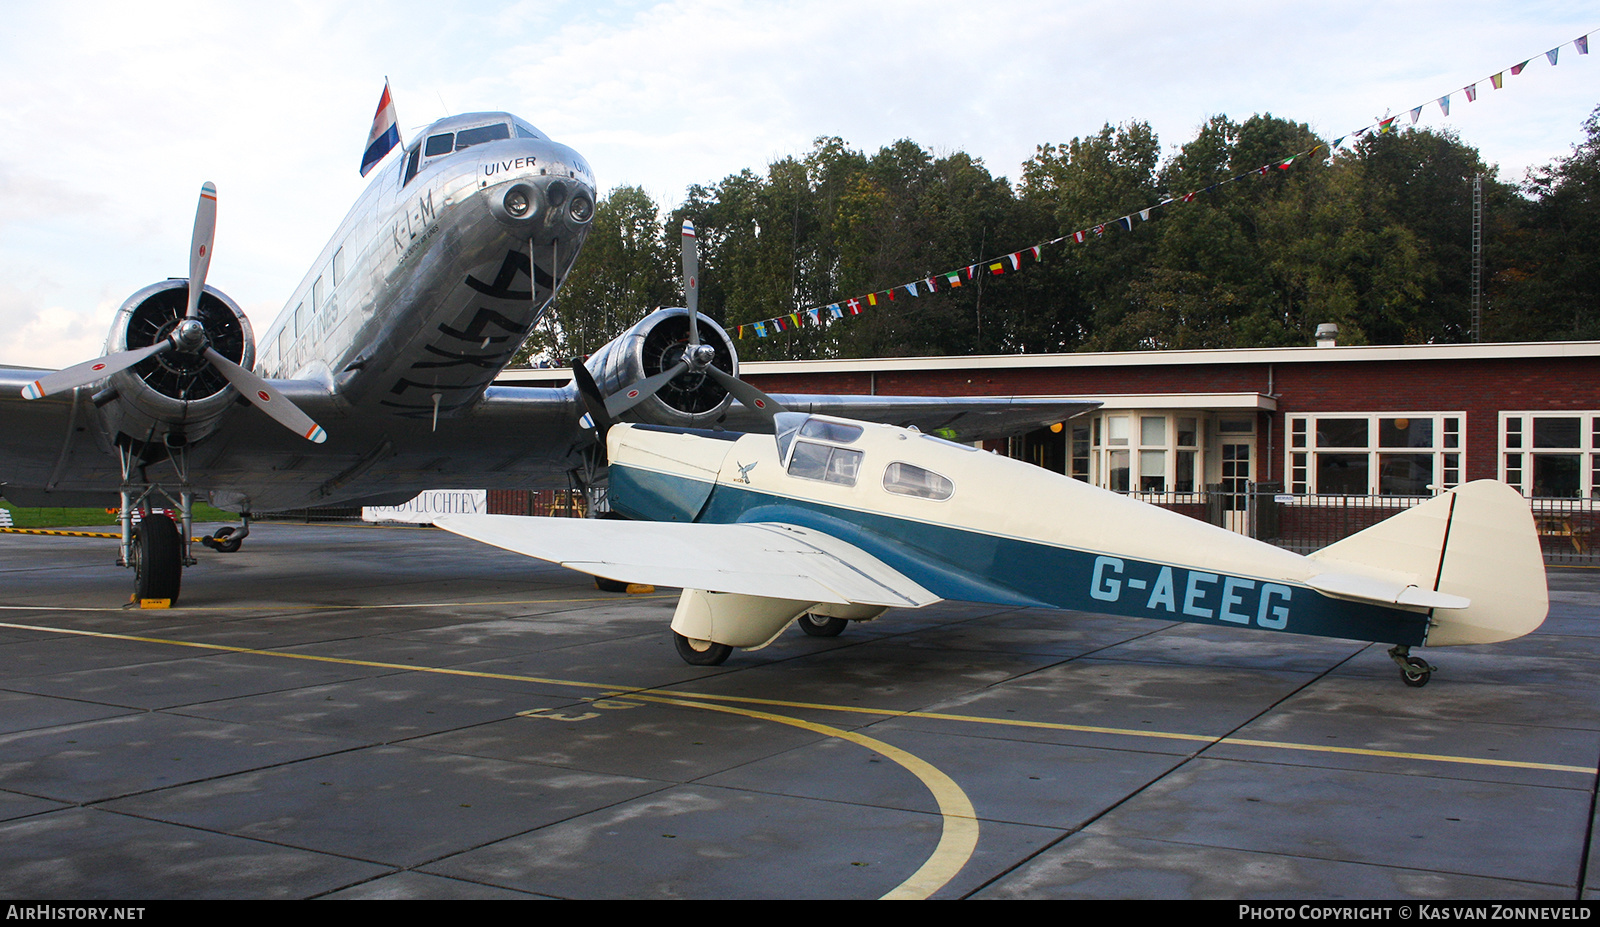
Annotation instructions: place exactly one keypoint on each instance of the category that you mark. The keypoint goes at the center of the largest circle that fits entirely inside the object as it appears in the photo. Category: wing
(54, 451)
(769, 560)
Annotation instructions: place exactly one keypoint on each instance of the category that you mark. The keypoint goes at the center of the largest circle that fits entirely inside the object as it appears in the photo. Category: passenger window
(466, 138)
(822, 462)
(905, 479)
(440, 144)
(338, 266)
(301, 320)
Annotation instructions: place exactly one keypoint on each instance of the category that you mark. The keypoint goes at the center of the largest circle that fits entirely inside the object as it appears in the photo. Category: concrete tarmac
(368, 712)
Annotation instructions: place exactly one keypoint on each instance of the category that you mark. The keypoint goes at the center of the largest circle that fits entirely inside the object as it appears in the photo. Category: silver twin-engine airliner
(374, 383)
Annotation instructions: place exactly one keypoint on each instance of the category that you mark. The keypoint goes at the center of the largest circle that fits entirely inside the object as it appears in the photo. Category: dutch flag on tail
(385, 135)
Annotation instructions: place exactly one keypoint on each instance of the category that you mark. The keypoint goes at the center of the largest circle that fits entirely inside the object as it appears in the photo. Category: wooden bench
(1561, 526)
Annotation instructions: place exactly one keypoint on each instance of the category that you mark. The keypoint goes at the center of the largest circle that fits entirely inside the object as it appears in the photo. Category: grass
(77, 518)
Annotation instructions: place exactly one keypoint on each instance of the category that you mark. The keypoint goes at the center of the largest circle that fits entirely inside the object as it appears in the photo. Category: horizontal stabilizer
(1382, 591)
(770, 560)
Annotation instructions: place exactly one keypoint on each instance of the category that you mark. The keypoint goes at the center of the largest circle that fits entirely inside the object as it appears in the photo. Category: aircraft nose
(546, 205)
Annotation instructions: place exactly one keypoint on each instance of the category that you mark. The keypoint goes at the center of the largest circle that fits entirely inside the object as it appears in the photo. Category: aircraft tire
(223, 541)
(157, 559)
(821, 625)
(692, 653)
(609, 585)
(1416, 672)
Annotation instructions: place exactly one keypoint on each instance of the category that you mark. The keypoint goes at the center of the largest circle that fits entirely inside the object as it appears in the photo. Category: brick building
(1369, 420)
(1380, 420)
(1330, 438)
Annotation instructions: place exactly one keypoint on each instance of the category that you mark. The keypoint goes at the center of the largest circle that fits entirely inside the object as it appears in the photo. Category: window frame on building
(1527, 452)
(1387, 468)
(1153, 461)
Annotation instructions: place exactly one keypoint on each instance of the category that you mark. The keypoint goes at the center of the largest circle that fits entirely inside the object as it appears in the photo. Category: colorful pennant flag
(999, 266)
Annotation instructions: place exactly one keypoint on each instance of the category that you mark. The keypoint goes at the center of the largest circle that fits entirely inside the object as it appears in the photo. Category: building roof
(1527, 350)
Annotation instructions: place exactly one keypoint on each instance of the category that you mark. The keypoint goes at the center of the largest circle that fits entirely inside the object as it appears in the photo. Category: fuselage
(439, 270)
(975, 526)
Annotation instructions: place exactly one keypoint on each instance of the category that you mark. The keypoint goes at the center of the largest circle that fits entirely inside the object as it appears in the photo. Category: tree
(624, 271)
(1547, 283)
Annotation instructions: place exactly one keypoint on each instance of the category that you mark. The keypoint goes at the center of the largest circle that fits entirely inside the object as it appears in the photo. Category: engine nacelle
(174, 397)
(657, 343)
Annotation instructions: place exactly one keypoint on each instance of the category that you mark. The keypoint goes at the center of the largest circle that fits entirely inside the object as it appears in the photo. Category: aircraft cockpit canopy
(451, 135)
(801, 444)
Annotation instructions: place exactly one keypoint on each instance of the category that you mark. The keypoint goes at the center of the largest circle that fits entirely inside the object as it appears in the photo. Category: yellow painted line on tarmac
(315, 658)
(632, 692)
(323, 607)
(1153, 735)
(958, 837)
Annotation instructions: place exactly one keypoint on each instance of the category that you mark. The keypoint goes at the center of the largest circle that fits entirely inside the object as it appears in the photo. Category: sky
(118, 111)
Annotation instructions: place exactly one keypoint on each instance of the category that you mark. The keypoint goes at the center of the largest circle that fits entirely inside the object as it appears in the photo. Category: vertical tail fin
(1476, 541)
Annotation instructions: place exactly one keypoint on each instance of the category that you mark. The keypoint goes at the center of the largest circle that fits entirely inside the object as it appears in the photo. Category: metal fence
(1567, 527)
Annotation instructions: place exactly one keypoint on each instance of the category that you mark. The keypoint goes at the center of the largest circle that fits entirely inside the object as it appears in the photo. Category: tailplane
(1471, 555)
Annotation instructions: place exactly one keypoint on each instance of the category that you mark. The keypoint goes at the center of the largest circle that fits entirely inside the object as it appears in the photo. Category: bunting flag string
(1013, 262)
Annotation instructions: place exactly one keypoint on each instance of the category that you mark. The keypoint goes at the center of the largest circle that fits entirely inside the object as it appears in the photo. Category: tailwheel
(1414, 671)
(821, 625)
(223, 541)
(157, 559)
(700, 653)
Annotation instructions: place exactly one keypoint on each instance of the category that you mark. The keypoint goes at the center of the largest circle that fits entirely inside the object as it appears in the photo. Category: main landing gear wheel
(821, 626)
(609, 585)
(157, 559)
(700, 653)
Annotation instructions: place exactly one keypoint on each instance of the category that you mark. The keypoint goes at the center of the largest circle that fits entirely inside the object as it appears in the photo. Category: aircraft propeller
(697, 356)
(189, 337)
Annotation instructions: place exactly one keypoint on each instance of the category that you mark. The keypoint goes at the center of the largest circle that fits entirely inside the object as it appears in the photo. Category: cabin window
(302, 322)
(440, 144)
(525, 132)
(905, 479)
(466, 138)
(338, 266)
(825, 462)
